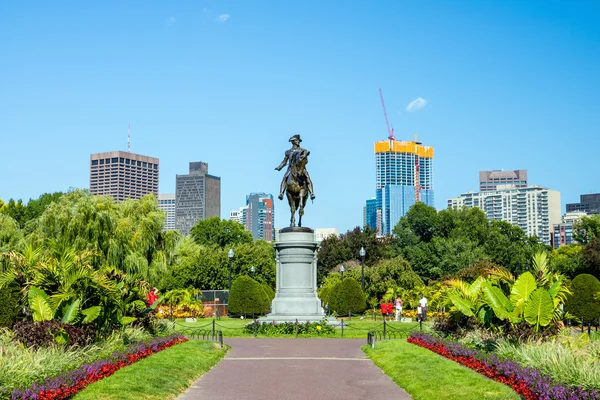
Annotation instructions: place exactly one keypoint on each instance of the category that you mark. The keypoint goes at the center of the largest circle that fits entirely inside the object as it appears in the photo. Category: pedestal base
(296, 292)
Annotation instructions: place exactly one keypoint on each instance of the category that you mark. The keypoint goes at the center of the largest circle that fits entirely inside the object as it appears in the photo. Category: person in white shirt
(423, 306)
(398, 308)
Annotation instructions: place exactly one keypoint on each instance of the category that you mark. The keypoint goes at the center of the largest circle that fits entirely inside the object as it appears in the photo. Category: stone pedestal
(296, 292)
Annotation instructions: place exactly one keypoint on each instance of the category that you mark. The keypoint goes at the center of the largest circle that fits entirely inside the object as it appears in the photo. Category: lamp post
(252, 270)
(342, 271)
(230, 254)
(362, 253)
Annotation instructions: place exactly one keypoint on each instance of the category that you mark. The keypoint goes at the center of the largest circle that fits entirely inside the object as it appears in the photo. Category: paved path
(295, 369)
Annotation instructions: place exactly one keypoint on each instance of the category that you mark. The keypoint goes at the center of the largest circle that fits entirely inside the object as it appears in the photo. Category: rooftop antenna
(129, 138)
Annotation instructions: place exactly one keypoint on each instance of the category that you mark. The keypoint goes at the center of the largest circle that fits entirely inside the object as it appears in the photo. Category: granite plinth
(296, 276)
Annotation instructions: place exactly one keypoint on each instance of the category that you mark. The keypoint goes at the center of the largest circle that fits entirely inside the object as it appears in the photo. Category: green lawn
(426, 375)
(354, 328)
(172, 371)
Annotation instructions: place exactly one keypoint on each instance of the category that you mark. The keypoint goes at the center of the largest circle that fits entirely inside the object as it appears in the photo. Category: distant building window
(144, 164)
(127, 161)
(101, 162)
(107, 161)
(94, 162)
(139, 163)
(121, 160)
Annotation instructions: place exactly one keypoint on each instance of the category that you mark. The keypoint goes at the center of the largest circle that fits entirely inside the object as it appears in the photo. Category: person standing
(390, 310)
(423, 305)
(398, 309)
(383, 309)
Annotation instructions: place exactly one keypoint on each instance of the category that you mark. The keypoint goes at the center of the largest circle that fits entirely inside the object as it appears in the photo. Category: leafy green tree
(583, 302)
(587, 229)
(247, 297)
(422, 220)
(36, 207)
(10, 234)
(590, 257)
(567, 260)
(347, 297)
(15, 210)
(220, 232)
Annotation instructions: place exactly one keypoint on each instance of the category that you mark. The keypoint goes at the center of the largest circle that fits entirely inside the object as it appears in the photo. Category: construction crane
(390, 129)
(417, 173)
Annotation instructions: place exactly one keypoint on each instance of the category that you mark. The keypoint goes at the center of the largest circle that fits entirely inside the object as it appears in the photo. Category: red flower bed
(65, 386)
(530, 383)
(471, 362)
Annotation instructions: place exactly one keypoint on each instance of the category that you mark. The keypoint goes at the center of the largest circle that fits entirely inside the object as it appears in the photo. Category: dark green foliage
(422, 220)
(247, 297)
(347, 297)
(590, 257)
(386, 274)
(335, 250)
(268, 291)
(290, 328)
(220, 232)
(582, 303)
(9, 305)
(43, 334)
(470, 274)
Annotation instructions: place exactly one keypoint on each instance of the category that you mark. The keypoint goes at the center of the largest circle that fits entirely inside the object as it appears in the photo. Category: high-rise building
(404, 176)
(123, 175)
(238, 216)
(563, 233)
(166, 202)
(535, 209)
(493, 180)
(259, 216)
(588, 203)
(370, 214)
(197, 197)
(324, 233)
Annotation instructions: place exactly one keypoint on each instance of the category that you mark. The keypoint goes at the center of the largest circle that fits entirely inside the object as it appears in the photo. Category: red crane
(390, 130)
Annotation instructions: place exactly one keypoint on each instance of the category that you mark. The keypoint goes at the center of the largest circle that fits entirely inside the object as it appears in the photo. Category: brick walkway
(290, 369)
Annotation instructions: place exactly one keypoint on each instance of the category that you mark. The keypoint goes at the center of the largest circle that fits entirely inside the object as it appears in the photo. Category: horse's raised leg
(301, 208)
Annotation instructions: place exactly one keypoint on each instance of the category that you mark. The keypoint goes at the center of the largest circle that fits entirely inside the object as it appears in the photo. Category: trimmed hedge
(247, 297)
(9, 301)
(582, 303)
(347, 296)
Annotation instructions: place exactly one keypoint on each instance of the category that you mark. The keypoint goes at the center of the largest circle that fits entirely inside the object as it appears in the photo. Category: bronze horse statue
(296, 182)
(297, 188)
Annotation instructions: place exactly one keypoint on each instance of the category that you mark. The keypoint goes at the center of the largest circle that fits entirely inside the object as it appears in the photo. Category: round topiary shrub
(582, 303)
(247, 297)
(268, 291)
(10, 308)
(347, 296)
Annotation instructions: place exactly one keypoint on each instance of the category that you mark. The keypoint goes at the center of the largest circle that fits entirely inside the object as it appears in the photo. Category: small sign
(217, 299)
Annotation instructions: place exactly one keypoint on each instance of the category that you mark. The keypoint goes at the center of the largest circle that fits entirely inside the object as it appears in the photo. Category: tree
(583, 302)
(587, 229)
(10, 234)
(422, 220)
(332, 252)
(15, 210)
(10, 300)
(347, 297)
(220, 232)
(247, 297)
(590, 257)
(567, 260)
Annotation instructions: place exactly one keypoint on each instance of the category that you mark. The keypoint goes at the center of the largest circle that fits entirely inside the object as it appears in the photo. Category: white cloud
(223, 17)
(416, 105)
(171, 21)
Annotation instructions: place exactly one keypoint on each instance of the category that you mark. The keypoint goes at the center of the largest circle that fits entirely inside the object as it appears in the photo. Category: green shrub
(9, 299)
(268, 291)
(347, 296)
(582, 303)
(247, 297)
(289, 328)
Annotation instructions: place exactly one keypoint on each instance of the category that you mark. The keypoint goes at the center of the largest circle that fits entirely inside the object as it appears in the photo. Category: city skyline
(491, 85)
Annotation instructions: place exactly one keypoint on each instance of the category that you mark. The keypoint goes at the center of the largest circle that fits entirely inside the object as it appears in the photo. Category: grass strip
(161, 376)
(426, 375)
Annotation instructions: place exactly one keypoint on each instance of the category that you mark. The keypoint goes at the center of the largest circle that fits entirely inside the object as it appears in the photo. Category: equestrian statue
(296, 182)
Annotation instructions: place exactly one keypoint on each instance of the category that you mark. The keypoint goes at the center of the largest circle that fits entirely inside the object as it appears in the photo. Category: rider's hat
(296, 137)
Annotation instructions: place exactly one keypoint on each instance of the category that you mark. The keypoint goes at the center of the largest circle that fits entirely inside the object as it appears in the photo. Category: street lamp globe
(342, 269)
(362, 252)
(252, 269)
(230, 253)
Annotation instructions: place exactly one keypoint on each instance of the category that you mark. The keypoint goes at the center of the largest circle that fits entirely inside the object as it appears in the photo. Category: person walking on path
(398, 309)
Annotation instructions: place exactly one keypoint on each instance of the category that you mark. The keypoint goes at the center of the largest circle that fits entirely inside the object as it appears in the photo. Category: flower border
(530, 383)
(61, 387)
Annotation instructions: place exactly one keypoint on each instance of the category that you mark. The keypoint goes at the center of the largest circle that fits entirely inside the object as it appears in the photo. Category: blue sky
(507, 85)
